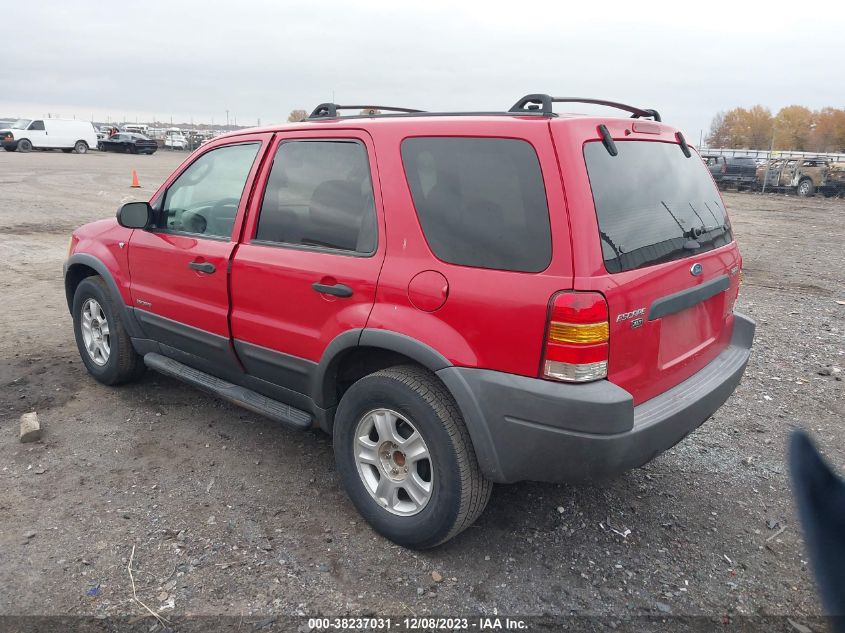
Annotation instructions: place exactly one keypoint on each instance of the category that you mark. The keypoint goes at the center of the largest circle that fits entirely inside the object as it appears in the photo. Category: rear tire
(81, 147)
(426, 501)
(806, 188)
(104, 345)
(24, 145)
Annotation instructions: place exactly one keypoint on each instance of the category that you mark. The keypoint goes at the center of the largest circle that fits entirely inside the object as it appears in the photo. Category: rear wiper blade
(698, 231)
(690, 244)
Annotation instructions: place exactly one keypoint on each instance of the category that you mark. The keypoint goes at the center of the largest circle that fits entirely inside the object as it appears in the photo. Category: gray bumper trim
(530, 429)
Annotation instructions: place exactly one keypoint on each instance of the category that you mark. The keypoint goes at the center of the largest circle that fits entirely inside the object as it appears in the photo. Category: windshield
(21, 124)
(653, 204)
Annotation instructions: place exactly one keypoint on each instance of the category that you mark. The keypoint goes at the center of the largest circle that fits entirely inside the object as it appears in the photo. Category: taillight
(576, 346)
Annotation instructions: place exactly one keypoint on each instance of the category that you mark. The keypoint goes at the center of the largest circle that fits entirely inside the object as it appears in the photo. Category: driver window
(37, 125)
(204, 198)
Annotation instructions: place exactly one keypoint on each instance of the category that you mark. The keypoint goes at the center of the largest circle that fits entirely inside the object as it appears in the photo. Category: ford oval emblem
(696, 269)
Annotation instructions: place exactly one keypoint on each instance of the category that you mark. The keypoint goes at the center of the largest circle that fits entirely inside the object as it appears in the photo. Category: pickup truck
(804, 176)
(731, 171)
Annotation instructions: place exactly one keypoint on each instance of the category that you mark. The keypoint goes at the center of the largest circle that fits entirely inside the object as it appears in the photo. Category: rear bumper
(531, 429)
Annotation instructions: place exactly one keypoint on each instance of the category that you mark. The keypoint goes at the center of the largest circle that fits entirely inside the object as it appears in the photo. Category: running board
(273, 409)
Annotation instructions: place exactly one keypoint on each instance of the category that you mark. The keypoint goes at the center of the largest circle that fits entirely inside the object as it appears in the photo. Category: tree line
(794, 127)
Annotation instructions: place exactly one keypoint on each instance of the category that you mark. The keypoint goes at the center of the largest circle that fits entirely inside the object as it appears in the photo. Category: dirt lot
(230, 514)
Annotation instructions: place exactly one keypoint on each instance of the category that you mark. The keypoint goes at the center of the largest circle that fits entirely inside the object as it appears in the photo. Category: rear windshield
(481, 201)
(653, 204)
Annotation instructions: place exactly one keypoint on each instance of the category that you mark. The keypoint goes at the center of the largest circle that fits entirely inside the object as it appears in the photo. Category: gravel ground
(229, 514)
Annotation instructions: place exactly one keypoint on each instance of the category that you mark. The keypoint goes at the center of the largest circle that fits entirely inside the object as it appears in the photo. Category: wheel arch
(361, 352)
(356, 353)
(81, 266)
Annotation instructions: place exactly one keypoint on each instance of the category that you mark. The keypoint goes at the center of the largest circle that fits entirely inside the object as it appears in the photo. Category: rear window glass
(480, 201)
(653, 204)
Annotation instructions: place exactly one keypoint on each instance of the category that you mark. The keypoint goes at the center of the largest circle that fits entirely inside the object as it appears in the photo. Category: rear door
(179, 268)
(312, 252)
(656, 241)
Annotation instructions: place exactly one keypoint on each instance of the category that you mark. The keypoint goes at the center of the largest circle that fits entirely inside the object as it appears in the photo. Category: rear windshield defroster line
(653, 204)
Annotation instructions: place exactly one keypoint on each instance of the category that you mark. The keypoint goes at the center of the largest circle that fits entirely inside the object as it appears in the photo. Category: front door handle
(338, 290)
(203, 267)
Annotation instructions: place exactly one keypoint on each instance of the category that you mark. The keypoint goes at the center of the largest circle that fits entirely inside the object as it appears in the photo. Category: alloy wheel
(393, 462)
(95, 332)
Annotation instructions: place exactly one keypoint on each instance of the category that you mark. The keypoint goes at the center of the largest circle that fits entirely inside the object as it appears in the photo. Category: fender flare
(428, 357)
(323, 386)
(84, 259)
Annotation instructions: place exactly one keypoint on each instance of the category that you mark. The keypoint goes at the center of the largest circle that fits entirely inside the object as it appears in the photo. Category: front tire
(103, 342)
(406, 458)
(24, 145)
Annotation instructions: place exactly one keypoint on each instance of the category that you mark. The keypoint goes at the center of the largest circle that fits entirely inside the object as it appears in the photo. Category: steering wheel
(218, 206)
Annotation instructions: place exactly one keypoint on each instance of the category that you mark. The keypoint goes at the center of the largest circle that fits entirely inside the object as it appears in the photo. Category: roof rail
(329, 110)
(542, 102)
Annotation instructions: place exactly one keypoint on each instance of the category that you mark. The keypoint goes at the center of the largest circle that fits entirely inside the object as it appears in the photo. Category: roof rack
(329, 110)
(543, 103)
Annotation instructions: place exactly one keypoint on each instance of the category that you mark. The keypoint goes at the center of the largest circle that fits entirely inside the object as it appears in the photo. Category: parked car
(65, 134)
(128, 142)
(732, 171)
(136, 128)
(804, 176)
(462, 322)
(175, 139)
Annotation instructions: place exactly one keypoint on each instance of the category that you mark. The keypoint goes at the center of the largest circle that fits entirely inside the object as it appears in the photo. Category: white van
(64, 134)
(137, 128)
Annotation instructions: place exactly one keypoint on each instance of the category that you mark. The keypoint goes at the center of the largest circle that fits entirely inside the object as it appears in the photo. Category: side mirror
(135, 215)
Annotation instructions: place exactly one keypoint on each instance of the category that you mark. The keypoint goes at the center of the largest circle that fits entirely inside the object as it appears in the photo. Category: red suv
(459, 298)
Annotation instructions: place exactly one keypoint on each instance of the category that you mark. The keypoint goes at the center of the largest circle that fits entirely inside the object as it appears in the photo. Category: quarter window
(480, 201)
(204, 199)
(319, 194)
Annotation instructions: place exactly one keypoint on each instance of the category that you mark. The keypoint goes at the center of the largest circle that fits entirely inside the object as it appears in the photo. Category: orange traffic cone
(135, 183)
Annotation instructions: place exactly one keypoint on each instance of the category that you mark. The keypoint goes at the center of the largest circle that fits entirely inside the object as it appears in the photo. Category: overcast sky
(187, 59)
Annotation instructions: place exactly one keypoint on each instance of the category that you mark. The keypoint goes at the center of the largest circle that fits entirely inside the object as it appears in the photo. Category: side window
(204, 199)
(319, 194)
(481, 201)
(36, 125)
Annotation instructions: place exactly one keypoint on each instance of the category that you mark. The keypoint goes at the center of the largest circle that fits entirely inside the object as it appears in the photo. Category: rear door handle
(338, 290)
(203, 267)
